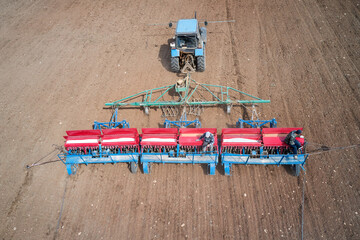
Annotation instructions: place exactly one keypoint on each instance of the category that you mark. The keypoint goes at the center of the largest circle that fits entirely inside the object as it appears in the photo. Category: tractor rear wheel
(175, 66)
(201, 63)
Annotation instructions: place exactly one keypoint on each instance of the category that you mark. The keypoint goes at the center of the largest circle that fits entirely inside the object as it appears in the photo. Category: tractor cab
(185, 42)
(186, 35)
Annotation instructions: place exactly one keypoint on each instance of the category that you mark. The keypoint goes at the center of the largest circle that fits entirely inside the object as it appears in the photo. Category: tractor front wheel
(200, 63)
(175, 66)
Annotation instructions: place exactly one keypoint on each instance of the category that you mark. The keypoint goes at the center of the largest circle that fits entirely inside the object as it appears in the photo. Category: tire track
(272, 60)
(323, 67)
(239, 77)
(311, 25)
(22, 190)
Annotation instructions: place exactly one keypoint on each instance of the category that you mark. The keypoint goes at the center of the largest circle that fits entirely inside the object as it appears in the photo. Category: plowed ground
(60, 61)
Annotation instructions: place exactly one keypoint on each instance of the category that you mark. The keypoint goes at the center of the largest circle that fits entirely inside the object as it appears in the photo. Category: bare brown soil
(60, 61)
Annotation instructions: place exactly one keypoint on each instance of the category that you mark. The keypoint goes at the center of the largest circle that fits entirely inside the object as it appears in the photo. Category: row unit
(171, 137)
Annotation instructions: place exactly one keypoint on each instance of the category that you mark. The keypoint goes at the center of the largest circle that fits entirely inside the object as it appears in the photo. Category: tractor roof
(186, 26)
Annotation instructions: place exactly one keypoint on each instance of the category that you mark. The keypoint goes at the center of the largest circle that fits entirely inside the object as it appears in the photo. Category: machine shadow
(289, 169)
(164, 55)
(218, 168)
(205, 167)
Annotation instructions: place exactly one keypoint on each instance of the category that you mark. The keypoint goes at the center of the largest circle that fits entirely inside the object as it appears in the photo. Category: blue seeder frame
(72, 161)
(228, 159)
(180, 157)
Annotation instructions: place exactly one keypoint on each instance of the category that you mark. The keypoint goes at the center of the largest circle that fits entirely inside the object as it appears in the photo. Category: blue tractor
(188, 49)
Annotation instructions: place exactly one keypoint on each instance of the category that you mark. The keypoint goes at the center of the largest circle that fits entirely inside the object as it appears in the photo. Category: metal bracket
(256, 123)
(113, 122)
(183, 122)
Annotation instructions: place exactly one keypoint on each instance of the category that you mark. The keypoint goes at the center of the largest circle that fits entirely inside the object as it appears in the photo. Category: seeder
(101, 146)
(262, 146)
(167, 145)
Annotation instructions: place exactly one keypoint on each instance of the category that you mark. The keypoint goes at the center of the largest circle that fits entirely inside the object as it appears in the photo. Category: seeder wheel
(71, 168)
(228, 109)
(296, 169)
(133, 167)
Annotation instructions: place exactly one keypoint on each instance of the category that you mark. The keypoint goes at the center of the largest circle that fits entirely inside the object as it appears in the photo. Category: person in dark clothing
(208, 141)
(290, 139)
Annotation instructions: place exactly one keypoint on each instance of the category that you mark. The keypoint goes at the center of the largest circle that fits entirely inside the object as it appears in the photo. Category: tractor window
(186, 41)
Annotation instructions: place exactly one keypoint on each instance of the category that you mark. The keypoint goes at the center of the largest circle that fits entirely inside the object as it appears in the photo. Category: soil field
(61, 60)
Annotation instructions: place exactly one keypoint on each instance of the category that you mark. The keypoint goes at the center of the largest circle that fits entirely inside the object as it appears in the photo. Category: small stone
(265, 230)
(14, 228)
(182, 225)
(79, 233)
(245, 195)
